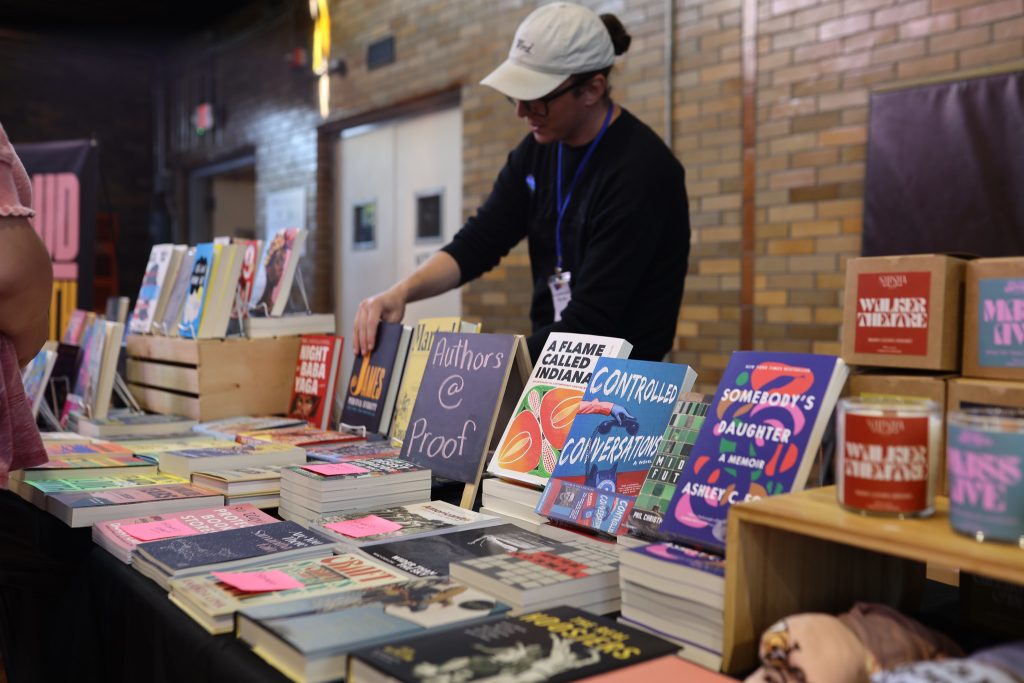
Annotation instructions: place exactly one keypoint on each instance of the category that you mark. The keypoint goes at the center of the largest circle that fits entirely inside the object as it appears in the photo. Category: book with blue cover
(759, 439)
(198, 285)
(226, 550)
(617, 431)
(309, 639)
(373, 386)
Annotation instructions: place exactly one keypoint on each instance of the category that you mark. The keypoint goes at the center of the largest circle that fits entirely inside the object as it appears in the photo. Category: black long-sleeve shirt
(625, 236)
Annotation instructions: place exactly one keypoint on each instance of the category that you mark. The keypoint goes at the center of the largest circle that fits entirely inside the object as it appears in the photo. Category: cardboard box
(994, 319)
(212, 378)
(916, 386)
(965, 392)
(904, 312)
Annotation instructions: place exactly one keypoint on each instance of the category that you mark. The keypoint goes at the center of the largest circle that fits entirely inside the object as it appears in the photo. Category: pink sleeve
(15, 186)
(20, 444)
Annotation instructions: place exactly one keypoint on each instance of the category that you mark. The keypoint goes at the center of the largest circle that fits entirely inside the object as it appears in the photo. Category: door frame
(326, 199)
(198, 191)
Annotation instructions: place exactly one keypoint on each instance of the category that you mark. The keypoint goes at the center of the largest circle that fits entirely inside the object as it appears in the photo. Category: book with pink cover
(119, 543)
(666, 668)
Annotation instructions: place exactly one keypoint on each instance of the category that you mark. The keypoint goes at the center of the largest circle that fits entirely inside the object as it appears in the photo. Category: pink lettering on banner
(370, 525)
(154, 531)
(56, 198)
(335, 468)
(258, 582)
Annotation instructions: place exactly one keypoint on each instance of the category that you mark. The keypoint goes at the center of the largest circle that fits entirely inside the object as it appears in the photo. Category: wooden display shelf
(212, 378)
(802, 552)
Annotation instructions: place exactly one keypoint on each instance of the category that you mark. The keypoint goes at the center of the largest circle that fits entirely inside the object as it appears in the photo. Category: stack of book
(120, 537)
(228, 428)
(304, 436)
(85, 508)
(259, 486)
(575, 573)
(513, 501)
(419, 520)
(177, 558)
(134, 425)
(226, 456)
(36, 491)
(83, 466)
(677, 593)
(309, 492)
(309, 639)
(212, 603)
(349, 452)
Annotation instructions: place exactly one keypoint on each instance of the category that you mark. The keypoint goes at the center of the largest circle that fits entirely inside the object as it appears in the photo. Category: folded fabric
(20, 443)
(947, 671)
(821, 648)
(15, 186)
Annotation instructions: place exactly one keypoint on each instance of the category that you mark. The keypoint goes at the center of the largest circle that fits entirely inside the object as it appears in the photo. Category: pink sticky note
(154, 531)
(259, 582)
(335, 468)
(364, 526)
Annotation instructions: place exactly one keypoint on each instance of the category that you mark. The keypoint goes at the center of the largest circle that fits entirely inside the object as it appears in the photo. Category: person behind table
(609, 244)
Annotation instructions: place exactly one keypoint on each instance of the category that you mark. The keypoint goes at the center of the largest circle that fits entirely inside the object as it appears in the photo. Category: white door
(400, 185)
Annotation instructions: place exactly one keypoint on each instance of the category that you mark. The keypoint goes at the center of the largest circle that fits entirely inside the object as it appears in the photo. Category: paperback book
(36, 491)
(240, 480)
(157, 282)
(198, 286)
(316, 374)
(84, 508)
(36, 376)
(274, 278)
(230, 427)
(416, 361)
(303, 435)
(760, 439)
(660, 484)
(350, 452)
(537, 432)
(167, 324)
(308, 640)
(228, 550)
(373, 386)
(617, 431)
(357, 529)
(186, 461)
(220, 296)
(87, 466)
(559, 644)
(134, 424)
(213, 603)
(111, 537)
(431, 556)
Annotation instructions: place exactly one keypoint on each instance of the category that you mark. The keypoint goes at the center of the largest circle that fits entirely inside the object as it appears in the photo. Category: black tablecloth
(71, 611)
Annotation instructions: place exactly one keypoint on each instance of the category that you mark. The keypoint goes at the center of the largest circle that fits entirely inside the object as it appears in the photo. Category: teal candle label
(1001, 323)
(986, 486)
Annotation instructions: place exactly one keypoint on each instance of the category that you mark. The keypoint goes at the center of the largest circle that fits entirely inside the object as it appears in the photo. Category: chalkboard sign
(457, 405)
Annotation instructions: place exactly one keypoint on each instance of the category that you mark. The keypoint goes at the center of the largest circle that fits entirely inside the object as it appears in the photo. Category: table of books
(71, 611)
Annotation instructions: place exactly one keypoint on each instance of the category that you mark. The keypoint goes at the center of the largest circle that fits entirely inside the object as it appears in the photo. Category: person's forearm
(436, 275)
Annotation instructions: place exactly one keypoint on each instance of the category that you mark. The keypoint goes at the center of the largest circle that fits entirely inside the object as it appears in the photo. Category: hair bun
(620, 39)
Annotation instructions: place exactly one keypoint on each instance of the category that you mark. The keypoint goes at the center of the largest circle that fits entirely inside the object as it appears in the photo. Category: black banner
(65, 177)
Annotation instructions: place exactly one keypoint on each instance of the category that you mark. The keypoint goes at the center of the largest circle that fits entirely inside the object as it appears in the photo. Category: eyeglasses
(539, 106)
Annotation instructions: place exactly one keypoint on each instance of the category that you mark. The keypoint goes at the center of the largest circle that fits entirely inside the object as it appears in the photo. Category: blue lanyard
(560, 204)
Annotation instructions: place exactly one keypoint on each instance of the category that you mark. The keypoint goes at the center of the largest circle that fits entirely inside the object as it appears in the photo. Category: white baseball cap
(554, 42)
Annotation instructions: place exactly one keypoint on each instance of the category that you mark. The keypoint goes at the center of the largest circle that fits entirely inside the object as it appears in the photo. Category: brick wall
(64, 89)
(818, 62)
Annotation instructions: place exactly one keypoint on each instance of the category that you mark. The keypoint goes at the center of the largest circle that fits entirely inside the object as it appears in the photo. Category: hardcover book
(538, 429)
(213, 603)
(659, 485)
(111, 537)
(308, 640)
(464, 382)
(83, 508)
(760, 439)
(316, 374)
(373, 387)
(431, 556)
(198, 286)
(577, 573)
(617, 431)
(416, 362)
(412, 521)
(186, 461)
(228, 550)
(276, 274)
(164, 260)
(559, 644)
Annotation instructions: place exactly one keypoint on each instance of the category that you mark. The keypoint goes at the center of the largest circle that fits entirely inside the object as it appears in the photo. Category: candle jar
(886, 455)
(984, 462)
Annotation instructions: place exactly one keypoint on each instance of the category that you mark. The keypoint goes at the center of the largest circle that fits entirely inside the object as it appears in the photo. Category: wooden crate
(801, 552)
(212, 378)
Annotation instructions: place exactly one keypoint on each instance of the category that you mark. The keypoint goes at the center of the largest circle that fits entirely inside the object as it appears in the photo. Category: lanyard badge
(559, 283)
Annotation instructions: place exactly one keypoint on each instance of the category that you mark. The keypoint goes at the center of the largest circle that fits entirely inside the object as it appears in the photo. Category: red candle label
(885, 464)
(893, 313)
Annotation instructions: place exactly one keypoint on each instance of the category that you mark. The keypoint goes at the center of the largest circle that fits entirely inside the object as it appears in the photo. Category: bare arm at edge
(26, 286)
